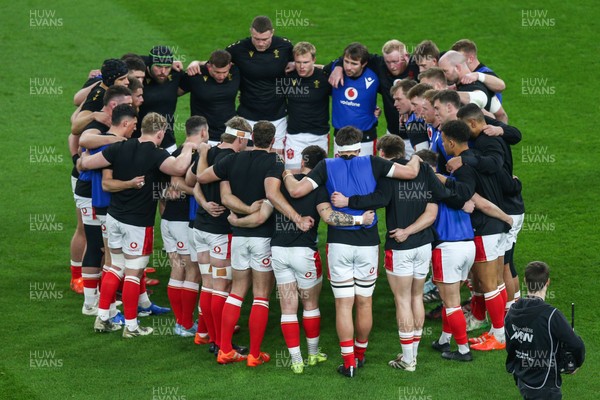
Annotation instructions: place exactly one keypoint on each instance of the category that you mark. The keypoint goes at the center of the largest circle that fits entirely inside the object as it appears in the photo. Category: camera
(566, 361)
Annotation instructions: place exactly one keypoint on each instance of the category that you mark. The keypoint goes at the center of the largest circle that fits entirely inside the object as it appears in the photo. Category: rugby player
(213, 92)
(393, 64)
(131, 213)
(161, 91)
(489, 232)
(354, 101)
(245, 176)
(212, 233)
(454, 65)
(262, 59)
(307, 94)
(352, 251)
(184, 281)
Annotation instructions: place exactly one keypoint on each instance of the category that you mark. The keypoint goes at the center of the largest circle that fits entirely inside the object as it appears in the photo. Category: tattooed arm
(336, 218)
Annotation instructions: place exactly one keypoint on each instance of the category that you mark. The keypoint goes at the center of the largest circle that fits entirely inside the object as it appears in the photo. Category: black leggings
(93, 252)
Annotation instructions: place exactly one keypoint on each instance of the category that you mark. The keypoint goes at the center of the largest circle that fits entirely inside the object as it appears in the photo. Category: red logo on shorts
(103, 227)
(217, 250)
(266, 261)
(308, 275)
(180, 245)
(133, 245)
(84, 211)
(372, 270)
(289, 154)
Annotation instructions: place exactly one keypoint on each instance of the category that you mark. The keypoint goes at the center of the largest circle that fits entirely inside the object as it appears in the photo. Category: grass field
(545, 52)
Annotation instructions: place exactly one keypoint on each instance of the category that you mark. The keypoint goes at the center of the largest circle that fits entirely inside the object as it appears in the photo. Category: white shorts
(88, 213)
(102, 219)
(297, 264)
(219, 245)
(133, 240)
(73, 184)
(348, 262)
(193, 254)
(175, 236)
(295, 144)
(412, 262)
(280, 130)
(487, 248)
(251, 252)
(511, 236)
(366, 148)
(452, 261)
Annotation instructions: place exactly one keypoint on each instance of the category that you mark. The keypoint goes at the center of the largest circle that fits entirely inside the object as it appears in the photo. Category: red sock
(478, 306)
(311, 321)
(291, 330)
(105, 269)
(110, 284)
(205, 304)
(91, 283)
(75, 270)
(201, 324)
(259, 316)
(458, 324)
(131, 295)
(216, 308)
(230, 317)
(174, 293)
(189, 298)
(143, 283)
(347, 348)
(493, 303)
(502, 290)
(445, 324)
(360, 347)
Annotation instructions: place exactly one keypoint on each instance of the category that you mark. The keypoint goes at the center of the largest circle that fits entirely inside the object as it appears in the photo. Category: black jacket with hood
(535, 332)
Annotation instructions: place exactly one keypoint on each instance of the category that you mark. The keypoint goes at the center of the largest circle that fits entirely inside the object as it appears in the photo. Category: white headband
(350, 147)
(238, 133)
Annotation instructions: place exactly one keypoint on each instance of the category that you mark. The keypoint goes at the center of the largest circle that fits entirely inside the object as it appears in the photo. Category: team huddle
(242, 197)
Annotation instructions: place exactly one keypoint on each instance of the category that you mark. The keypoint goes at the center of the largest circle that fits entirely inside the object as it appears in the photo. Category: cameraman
(535, 333)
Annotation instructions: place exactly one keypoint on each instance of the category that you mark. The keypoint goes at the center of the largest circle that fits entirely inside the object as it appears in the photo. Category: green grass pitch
(547, 53)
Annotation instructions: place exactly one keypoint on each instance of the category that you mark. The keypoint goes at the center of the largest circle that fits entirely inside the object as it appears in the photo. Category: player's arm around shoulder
(298, 188)
(337, 218)
(408, 171)
(178, 166)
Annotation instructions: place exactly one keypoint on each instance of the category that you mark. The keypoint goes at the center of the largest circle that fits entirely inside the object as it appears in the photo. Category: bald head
(453, 58)
(454, 65)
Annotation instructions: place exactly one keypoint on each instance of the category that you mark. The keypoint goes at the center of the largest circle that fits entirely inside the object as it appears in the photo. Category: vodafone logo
(103, 227)
(371, 270)
(180, 245)
(289, 154)
(308, 275)
(351, 93)
(217, 250)
(84, 211)
(266, 261)
(133, 245)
